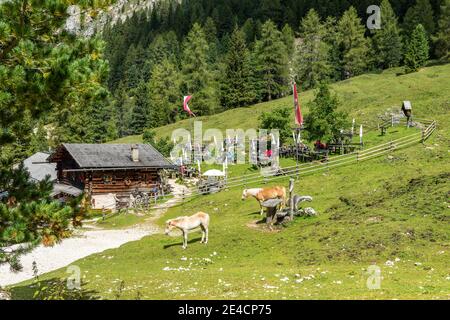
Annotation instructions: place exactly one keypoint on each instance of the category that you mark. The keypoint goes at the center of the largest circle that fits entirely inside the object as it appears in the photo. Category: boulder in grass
(310, 212)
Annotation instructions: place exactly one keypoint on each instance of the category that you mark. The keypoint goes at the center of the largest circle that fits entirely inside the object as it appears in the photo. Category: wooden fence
(255, 179)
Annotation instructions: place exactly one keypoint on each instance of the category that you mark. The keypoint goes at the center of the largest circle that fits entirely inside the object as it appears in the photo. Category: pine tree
(141, 108)
(324, 120)
(198, 78)
(387, 41)
(271, 10)
(417, 51)
(353, 45)
(331, 38)
(122, 107)
(421, 13)
(164, 94)
(288, 39)
(313, 57)
(88, 122)
(59, 76)
(278, 119)
(442, 39)
(43, 69)
(237, 87)
(249, 30)
(134, 66)
(272, 62)
(211, 37)
(164, 46)
(39, 139)
(257, 79)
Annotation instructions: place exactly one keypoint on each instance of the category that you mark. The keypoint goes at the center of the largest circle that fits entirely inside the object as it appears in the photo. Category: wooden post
(291, 198)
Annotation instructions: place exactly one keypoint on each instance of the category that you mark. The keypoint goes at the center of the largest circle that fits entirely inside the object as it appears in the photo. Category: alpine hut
(118, 169)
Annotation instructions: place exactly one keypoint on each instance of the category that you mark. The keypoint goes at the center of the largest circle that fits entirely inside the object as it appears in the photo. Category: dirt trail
(86, 242)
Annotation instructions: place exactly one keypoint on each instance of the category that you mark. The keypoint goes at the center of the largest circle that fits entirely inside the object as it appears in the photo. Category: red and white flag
(298, 111)
(186, 99)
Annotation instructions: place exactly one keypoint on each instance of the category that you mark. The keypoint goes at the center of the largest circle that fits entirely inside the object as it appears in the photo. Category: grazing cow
(185, 224)
(263, 194)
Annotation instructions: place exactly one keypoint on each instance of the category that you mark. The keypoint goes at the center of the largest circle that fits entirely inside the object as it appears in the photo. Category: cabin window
(107, 179)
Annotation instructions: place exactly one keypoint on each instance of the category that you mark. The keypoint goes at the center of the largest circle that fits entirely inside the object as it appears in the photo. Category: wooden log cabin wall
(110, 168)
(124, 181)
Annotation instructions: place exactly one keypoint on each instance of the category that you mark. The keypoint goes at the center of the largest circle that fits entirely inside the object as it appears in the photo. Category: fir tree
(442, 39)
(353, 45)
(324, 120)
(122, 107)
(211, 37)
(249, 30)
(164, 94)
(237, 87)
(42, 70)
(280, 120)
(59, 76)
(272, 62)
(332, 39)
(313, 57)
(271, 10)
(198, 78)
(288, 39)
(141, 108)
(421, 13)
(417, 51)
(134, 66)
(39, 139)
(257, 80)
(164, 46)
(387, 42)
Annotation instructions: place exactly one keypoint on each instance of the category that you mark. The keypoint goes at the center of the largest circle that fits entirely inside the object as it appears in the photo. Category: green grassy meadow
(393, 208)
(363, 97)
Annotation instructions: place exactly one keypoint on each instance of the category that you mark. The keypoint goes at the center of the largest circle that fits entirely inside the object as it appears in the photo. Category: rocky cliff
(89, 22)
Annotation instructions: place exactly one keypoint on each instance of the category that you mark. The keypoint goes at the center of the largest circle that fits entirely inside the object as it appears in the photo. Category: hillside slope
(391, 213)
(363, 97)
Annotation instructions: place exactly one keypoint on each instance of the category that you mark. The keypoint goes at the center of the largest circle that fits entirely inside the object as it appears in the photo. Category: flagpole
(297, 130)
(191, 133)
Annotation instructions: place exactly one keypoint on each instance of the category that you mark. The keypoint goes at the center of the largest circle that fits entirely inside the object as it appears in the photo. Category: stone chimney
(134, 153)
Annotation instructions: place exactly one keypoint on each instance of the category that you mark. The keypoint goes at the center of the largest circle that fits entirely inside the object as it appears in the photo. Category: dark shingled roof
(39, 168)
(115, 156)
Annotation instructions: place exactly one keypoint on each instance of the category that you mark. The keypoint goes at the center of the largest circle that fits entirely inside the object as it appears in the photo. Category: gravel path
(84, 243)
